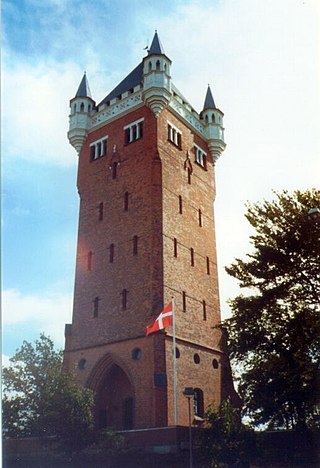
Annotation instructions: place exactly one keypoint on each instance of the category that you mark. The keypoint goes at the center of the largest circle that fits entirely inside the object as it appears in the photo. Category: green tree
(226, 441)
(40, 399)
(273, 334)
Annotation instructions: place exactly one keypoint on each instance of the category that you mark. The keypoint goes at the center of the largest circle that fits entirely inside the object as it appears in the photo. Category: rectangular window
(126, 201)
(175, 247)
(184, 301)
(114, 170)
(96, 307)
(180, 204)
(192, 256)
(208, 266)
(98, 148)
(200, 156)
(111, 253)
(189, 175)
(101, 211)
(89, 261)
(124, 299)
(135, 245)
(204, 308)
(133, 131)
(174, 135)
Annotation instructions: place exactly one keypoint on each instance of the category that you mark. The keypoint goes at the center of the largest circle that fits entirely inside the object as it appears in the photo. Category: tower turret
(213, 120)
(156, 77)
(81, 106)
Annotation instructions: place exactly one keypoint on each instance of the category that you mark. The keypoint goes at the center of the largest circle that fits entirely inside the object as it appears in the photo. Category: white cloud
(44, 312)
(36, 108)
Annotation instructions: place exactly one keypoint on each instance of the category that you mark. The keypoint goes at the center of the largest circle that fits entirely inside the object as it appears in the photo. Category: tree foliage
(226, 441)
(274, 332)
(41, 400)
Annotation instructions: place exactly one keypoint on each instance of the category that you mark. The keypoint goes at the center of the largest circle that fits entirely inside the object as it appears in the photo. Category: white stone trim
(133, 123)
(100, 140)
(188, 115)
(119, 107)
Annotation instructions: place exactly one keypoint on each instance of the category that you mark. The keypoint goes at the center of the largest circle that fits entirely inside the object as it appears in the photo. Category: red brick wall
(139, 174)
(152, 171)
(194, 334)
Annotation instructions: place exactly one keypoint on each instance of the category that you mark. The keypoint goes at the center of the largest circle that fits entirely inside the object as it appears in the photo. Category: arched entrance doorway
(114, 399)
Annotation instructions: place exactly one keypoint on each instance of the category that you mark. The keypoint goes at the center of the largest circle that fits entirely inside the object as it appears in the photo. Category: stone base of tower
(129, 381)
(133, 381)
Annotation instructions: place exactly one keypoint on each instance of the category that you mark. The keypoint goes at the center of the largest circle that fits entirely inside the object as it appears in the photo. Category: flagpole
(174, 364)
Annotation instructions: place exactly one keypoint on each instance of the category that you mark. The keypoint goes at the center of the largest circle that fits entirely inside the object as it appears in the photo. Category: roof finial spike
(84, 90)
(156, 46)
(209, 101)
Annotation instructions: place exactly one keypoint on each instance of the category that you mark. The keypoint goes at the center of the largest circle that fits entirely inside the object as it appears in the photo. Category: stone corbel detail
(77, 136)
(156, 100)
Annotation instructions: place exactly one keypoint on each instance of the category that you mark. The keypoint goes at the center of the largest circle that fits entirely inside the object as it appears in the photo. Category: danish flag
(164, 320)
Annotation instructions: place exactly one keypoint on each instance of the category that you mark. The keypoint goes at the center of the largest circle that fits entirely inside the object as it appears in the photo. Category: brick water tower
(146, 181)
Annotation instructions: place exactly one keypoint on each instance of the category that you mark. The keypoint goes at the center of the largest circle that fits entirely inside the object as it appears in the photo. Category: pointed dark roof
(84, 90)
(133, 79)
(156, 46)
(209, 102)
(136, 76)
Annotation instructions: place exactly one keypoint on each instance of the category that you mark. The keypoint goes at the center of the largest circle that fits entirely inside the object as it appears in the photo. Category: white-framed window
(200, 156)
(133, 131)
(174, 135)
(98, 148)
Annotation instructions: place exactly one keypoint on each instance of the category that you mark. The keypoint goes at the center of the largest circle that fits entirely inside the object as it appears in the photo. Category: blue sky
(262, 62)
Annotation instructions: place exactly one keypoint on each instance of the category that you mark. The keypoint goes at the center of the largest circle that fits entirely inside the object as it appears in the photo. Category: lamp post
(189, 393)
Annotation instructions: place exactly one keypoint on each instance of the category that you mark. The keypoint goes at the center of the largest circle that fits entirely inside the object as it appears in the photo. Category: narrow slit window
(127, 136)
(126, 201)
(111, 253)
(200, 217)
(92, 152)
(175, 247)
(104, 147)
(96, 307)
(89, 261)
(180, 204)
(114, 170)
(179, 140)
(189, 175)
(124, 299)
(208, 266)
(204, 309)
(192, 256)
(101, 211)
(135, 245)
(184, 301)
(198, 403)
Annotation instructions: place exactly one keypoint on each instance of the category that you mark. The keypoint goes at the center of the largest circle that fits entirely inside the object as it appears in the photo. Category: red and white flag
(165, 319)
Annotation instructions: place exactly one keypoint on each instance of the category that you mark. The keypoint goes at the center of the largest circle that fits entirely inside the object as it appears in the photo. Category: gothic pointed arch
(102, 367)
(114, 394)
